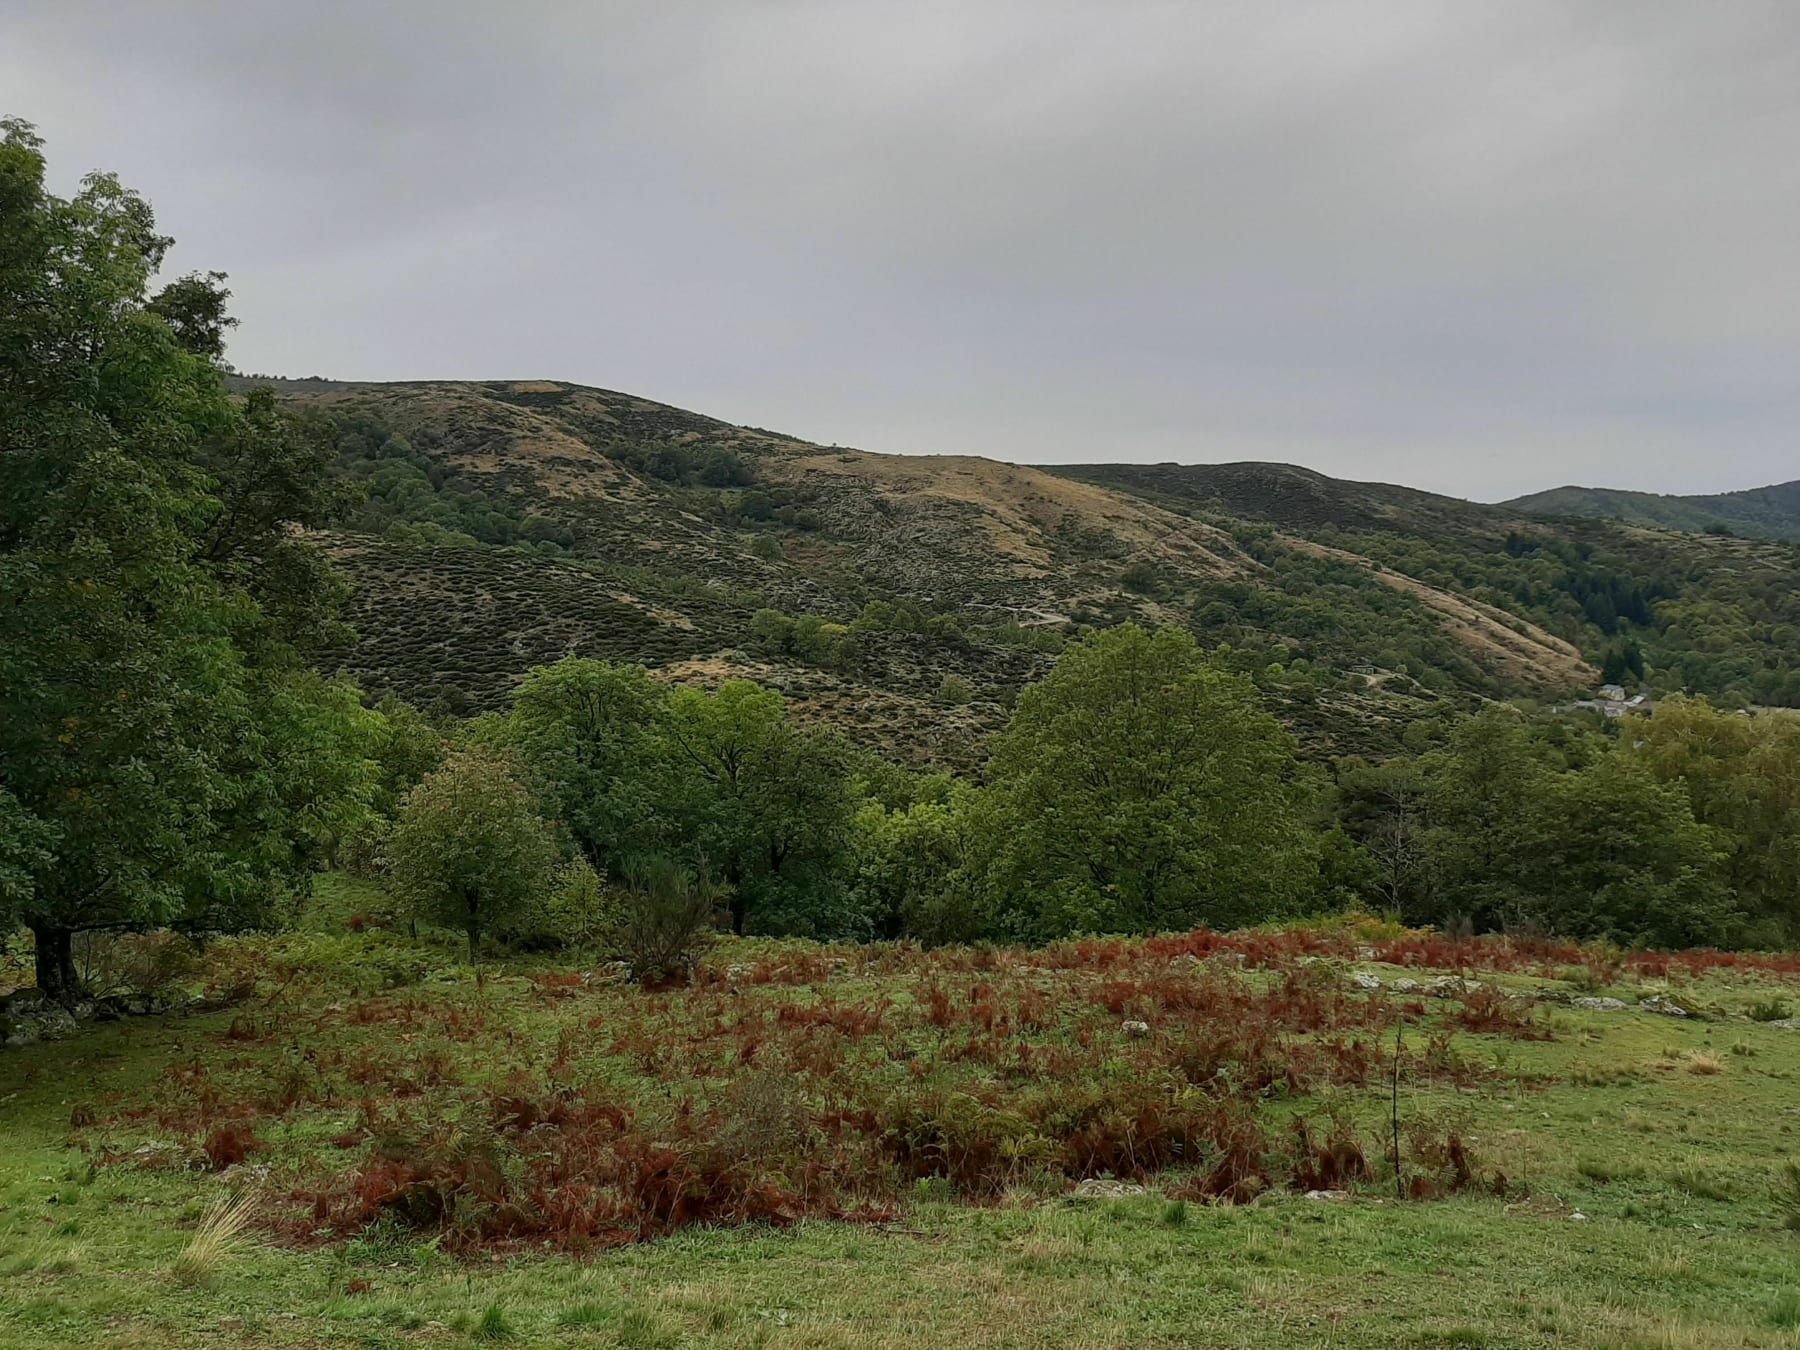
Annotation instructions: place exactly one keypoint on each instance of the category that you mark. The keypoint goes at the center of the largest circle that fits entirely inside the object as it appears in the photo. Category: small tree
(469, 849)
(666, 920)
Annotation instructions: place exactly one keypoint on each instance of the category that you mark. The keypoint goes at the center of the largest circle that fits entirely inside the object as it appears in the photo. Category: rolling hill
(906, 599)
(1757, 513)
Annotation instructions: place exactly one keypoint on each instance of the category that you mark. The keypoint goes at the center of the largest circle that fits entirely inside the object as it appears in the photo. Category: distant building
(1613, 692)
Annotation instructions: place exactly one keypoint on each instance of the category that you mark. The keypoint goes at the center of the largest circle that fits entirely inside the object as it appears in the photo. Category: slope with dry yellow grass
(675, 529)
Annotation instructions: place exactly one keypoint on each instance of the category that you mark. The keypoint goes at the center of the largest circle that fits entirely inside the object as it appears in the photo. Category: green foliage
(1335, 613)
(766, 804)
(665, 920)
(469, 849)
(166, 758)
(912, 872)
(808, 638)
(1741, 777)
(408, 493)
(953, 691)
(592, 735)
(1139, 787)
(721, 780)
(1521, 823)
(1769, 512)
(577, 911)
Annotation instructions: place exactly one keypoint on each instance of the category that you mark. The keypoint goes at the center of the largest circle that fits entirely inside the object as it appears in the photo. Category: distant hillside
(907, 599)
(1756, 513)
(1294, 498)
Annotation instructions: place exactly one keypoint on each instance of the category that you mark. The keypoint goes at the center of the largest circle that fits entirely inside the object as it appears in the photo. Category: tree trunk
(56, 964)
(472, 921)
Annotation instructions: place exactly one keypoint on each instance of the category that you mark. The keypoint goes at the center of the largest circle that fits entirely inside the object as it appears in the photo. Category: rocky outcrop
(27, 1016)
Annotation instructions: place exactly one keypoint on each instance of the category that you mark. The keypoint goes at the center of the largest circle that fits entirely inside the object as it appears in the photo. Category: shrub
(666, 919)
(1770, 1010)
(954, 691)
(229, 1144)
(1331, 1163)
(148, 965)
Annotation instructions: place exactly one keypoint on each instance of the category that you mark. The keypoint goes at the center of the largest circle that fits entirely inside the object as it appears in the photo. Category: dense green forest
(177, 752)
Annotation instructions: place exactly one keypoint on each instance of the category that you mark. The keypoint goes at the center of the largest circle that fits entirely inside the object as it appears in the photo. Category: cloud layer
(1482, 247)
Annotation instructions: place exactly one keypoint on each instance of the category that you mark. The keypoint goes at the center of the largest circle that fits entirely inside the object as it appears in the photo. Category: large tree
(165, 755)
(766, 805)
(591, 733)
(1145, 787)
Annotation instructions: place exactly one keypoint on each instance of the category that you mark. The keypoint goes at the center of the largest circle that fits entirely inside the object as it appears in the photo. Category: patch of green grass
(1700, 1184)
(493, 1324)
(1787, 1194)
(642, 1330)
(584, 1315)
(1784, 1313)
(1605, 1170)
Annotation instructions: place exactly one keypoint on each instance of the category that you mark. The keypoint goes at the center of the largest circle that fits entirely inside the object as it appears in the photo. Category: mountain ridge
(906, 598)
(1769, 512)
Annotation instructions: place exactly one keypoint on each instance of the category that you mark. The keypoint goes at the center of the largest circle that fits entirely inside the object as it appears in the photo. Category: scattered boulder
(1451, 986)
(1329, 1197)
(1667, 1007)
(27, 1016)
(1365, 981)
(23, 1002)
(1600, 1004)
(1403, 985)
(1135, 1030)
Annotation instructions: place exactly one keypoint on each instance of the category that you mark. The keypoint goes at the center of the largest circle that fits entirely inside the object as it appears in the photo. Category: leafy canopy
(1144, 787)
(165, 756)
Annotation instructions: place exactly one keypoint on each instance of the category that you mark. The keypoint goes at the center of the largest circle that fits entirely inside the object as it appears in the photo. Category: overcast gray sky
(1476, 247)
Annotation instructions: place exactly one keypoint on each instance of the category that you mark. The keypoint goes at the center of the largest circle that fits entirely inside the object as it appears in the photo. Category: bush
(954, 691)
(665, 921)
(1770, 1010)
(578, 910)
(147, 965)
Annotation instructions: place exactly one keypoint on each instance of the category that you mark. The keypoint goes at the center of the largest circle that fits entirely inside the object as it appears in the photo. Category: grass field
(841, 1146)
